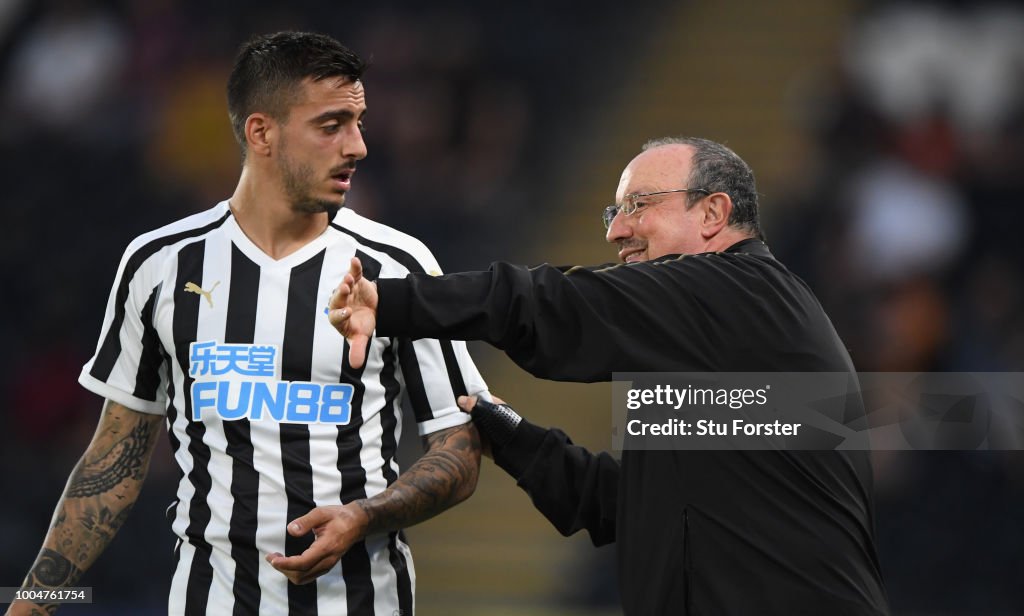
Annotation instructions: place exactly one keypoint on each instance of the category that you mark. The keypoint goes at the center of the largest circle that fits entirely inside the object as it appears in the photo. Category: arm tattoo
(52, 570)
(96, 502)
(445, 476)
(125, 459)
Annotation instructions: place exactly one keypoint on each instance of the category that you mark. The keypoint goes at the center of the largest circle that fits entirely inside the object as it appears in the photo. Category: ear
(717, 209)
(260, 133)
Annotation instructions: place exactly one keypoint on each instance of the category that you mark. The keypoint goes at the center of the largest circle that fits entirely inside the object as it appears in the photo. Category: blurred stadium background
(888, 140)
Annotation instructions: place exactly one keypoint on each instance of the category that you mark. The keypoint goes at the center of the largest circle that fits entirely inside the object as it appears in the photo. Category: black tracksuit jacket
(698, 532)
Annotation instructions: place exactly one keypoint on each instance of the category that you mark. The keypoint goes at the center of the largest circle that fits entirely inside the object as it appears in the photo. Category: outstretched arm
(443, 477)
(96, 501)
(579, 324)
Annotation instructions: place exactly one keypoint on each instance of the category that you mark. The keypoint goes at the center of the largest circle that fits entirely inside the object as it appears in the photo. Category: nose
(618, 230)
(354, 146)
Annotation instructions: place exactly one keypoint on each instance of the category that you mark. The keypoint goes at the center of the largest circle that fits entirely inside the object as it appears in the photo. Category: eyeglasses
(632, 203)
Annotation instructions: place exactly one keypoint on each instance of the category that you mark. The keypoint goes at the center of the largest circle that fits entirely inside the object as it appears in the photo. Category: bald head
(661, 166)
(717, 168)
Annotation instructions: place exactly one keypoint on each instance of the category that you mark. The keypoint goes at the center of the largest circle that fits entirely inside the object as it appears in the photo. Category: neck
(268, 219)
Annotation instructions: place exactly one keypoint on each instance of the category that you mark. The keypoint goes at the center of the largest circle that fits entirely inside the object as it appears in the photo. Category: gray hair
(718, 169)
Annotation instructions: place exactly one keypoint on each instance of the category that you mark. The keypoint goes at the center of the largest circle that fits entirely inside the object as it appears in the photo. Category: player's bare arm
(443, 477)
(353, 311)
(99, 495)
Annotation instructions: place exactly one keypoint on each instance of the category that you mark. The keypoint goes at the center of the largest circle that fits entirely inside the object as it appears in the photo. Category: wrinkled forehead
(662, 168)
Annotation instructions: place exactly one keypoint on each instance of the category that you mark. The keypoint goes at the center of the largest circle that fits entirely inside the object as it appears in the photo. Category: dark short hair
(270, 66)
(718, 169)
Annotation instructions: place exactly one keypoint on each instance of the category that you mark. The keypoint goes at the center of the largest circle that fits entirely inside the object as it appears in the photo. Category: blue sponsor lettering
(208, 358)
(274, 402)
(259, 361)
(199, 401)
(282, 401)
(336, 404)
(201, 356)
(303, 402)
(240, 409)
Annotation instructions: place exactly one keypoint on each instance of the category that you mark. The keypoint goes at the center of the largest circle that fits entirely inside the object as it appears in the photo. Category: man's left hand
(352, 310)
(336, 527)
(466, 403)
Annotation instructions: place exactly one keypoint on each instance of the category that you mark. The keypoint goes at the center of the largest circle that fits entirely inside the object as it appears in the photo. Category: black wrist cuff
(498, 422)
(519, 454)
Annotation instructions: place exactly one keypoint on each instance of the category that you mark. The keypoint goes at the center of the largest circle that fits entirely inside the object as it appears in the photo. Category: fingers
(466, 403)
(317, 559)
(315, 519)
(302, 525)
(339, 298)
(357, 350)
(300, 563)
(352, 311)
(340, 295)
(355, 269)
(337, 316)
(336, 528)
(305, 567)
(358, 342)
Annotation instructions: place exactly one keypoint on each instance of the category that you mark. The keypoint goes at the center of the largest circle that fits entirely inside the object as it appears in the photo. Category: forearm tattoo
(96, 502)
(51, 570)
(444, 476)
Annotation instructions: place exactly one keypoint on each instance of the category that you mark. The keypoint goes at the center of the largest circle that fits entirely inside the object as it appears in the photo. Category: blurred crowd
(905, 225)
(907, 229)
(914, 204)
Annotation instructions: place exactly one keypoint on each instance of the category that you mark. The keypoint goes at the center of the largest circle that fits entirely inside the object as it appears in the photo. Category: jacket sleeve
(572, 487)
(576, 325)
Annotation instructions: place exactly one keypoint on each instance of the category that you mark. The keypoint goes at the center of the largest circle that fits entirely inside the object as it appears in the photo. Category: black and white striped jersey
(265, 416)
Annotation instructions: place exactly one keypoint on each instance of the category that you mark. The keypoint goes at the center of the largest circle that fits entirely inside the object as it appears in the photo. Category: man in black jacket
(709, 532)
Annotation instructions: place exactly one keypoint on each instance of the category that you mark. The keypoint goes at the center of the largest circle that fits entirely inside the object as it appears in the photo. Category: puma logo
(191, 287)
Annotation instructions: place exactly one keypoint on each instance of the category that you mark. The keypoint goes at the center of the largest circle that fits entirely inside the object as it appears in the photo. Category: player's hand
(336, 527)
(353, 312)
(466, 403)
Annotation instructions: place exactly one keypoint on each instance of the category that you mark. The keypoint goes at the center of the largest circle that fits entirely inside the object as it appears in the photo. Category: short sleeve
(436, 373)
(128, 366)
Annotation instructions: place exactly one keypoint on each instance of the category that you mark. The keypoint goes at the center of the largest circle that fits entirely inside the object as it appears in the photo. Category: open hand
(353, 312)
